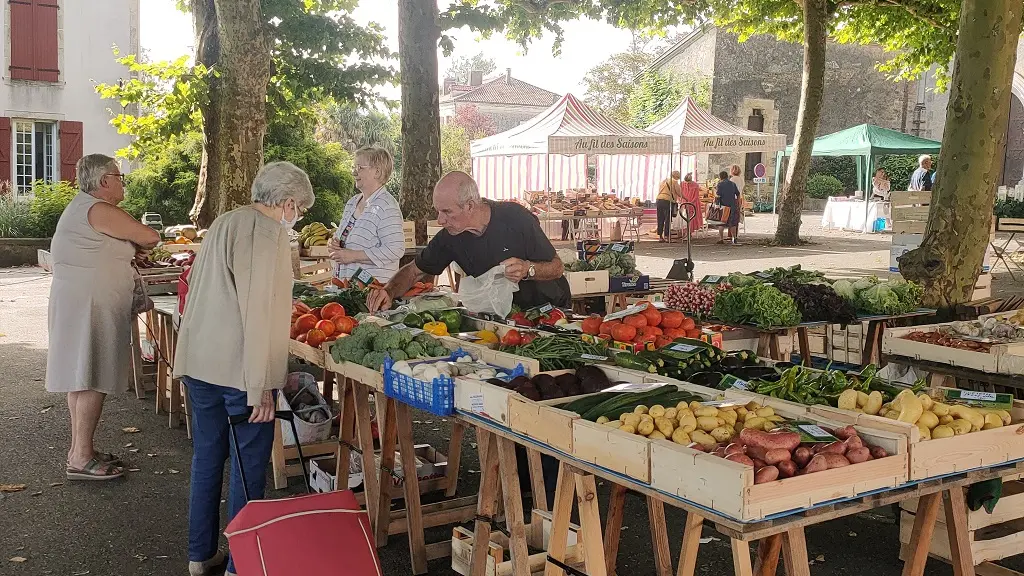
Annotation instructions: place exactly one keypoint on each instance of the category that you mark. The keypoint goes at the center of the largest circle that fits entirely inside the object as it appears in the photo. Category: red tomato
(301, 337)
(315, 338)
(695, 333)
(623, 332)
(344, 324)
(592, 325)
(674, 333)
(326, 326)
(606, 327)
(527, 337)
(671, 319)
(635, 320)
(652, 315)
(662, 341)
(332, 310)
(306, 322)
(688, 324)
(511, 338)
(316, 312)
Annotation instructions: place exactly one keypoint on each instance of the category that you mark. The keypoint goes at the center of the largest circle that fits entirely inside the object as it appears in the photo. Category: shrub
(900, 168)
(15, 217)
(843, 168)
(823, 186)
(48, 202)
(166, 184)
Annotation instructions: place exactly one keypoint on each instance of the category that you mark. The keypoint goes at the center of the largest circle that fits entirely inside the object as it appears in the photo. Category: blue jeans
(211, 446)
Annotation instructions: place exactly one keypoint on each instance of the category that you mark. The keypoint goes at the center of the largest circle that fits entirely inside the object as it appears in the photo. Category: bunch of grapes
(693, 299)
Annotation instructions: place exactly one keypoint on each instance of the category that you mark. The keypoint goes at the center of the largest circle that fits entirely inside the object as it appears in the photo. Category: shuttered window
(34, 44)
(34, 154)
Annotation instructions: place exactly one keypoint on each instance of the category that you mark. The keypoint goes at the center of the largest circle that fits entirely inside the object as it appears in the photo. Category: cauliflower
(414, 349)
(374, 360)
(387, 340)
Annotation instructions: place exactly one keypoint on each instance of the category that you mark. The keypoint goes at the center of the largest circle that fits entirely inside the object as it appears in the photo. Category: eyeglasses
(120, 176)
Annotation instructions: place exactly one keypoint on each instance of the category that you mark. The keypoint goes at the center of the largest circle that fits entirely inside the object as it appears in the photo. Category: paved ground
(138, 525)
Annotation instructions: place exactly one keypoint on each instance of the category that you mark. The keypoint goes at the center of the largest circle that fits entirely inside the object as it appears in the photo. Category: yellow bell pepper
(487, 337)
(436, 328)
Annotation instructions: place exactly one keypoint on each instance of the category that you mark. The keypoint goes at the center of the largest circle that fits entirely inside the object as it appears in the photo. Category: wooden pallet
(498, 548)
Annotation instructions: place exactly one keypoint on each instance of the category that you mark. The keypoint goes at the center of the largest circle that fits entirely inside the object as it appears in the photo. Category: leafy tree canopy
(609, 84)
(658, 93)
(461, 67)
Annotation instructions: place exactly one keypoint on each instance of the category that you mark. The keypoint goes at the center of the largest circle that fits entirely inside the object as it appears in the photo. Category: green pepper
(413, 320)
(451, 318)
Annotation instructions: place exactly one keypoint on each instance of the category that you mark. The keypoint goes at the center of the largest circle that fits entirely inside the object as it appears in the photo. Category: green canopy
(867, 143)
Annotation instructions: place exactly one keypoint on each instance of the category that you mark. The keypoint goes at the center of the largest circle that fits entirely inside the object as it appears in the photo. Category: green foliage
(823, 186)
(659, 93)
(49, 199)
(901, 168)
(166, 183)
(455, 149)
(461, 67)
(610, 83)
(15, 217)
(843, 168)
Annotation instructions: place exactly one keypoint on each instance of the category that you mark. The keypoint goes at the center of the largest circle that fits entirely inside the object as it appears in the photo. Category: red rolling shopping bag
(312, 535)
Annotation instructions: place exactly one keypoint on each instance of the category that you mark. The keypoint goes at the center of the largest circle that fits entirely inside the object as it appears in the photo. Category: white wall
(87, 33)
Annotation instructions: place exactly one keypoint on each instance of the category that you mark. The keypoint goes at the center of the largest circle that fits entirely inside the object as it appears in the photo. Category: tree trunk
(418, 34)
(812, 95)
(950, 257)
(231, 40)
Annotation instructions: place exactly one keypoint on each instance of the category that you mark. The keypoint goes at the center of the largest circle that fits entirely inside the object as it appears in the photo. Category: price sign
(593, 357)
(684, 348)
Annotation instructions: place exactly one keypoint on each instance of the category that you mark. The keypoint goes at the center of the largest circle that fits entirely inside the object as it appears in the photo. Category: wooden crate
(778, 404)
(910, 213)
(938, 457)
(728, 487)
(1000, 359)
(992, 536)
(409, 233)
(1010, 225)
(315, 356)
(907, 198)
(489, 400)
(538, 535)
(314, 252)
(908, 227)
(983, 287)
(175, 248)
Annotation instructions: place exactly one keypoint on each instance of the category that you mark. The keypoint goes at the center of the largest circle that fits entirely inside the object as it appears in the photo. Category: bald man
(479, 235)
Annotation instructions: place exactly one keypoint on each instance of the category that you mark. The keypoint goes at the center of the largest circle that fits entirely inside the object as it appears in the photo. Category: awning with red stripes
(699, 132)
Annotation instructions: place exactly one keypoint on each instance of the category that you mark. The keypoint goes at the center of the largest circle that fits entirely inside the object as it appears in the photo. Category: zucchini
(631, 399)
(584, 404)
(634, 362)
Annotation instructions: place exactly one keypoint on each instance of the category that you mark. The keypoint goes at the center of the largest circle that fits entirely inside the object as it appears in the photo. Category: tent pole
(778, 170)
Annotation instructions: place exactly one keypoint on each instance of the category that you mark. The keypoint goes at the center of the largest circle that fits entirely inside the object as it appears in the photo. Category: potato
(670, 413)
(705, 412)
(656, 435)
(627, 429)
(765, 412)
(831, 448)
(729, 416)
(656, 411)
(943, 420)
(741, 412)
(722, 434)
(874, 403)
(694, 406)
(664, 425)
(909, 406)
(848, 399)
(960, 426)
(862, 399)
(707, 423)
(766, 440)
(641, 409)
(787, 469)
(926, 401)
(704, 439)
(720, 452)
(739, 458)
(1005, 416)
(687, 423)
(646, 418)
(802, 455)
(858, 455)
(853, 442)
(645, 428)
(992, 421)
(622, 417)
(682, 406)
(929, 420)
(735, 448)
(942, 431)
(602, 419)
(817, 464)
(752, 406)
(766, 474)
(845, 433)
(878, 452)
(776, 455)
(756, 423)
(775, 418)
(926, 432)
(679, 436)
(939, 409)
(631, 419)
(835, 460)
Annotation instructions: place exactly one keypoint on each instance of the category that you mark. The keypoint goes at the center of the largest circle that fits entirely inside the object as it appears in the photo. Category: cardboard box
(629, 283)
(596, 282)
(323, 478)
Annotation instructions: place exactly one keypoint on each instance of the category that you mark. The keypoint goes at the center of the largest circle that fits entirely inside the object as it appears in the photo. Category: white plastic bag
(489, 292)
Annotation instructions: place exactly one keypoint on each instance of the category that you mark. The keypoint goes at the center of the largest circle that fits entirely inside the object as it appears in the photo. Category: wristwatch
(533, 271)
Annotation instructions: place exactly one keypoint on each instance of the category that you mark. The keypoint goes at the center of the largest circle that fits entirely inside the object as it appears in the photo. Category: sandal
(95, 470)
(108, 458)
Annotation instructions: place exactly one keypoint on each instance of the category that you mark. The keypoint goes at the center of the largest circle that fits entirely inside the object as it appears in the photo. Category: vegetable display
(314, 326)
(619, 406)
(369, 343)
(586, 380)
(693, 299)
(1008, 208)
(757, 305)
(936, 419)
(649, 325)
(616, 263)
(463, 366)
(352, 299)
(829, 387)
(870, 296)
(557, 352)
(818, 302)
(942, 338)
(451, 319)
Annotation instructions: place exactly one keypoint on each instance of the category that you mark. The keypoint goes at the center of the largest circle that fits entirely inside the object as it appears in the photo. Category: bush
(166, 184)
(15, 217)
(843, 168)
(901, 168)
(48, 202)
(823, 186)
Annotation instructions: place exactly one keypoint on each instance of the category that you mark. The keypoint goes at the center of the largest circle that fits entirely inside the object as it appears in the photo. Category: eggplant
(730, 363)
(516, 382)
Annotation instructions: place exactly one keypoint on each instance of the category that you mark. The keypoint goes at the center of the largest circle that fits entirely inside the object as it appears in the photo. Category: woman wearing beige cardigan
(233, 348)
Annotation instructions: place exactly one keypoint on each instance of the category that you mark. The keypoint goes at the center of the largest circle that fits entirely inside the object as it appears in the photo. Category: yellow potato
(926, 433)
(670, 413)
(707, 423)
(944, 420)
(729, 416)
(644, 417)
(752, 406)
(602, 419)
(706, 411)
(940, 409)
(704, 439)
(756, 422)
(765, 412)
(847, 400)
(694, 406)
(641, 409)
(656, 435)
(741, 412)
(680, 437)
(926, 401)
(942, 431)
(928, 419)
(687, 423)
(960, 426)
(909, 406)
(631, 419)
(645, 428)
(1003, 415)
(769, 425)
(627, 429)
(992, 421)
(738, 427)
(862, 399)
(664, 425)
(776, 419)
(722, 434)
(874, 403)
(657, 410)
(622, 417)
(682, 406)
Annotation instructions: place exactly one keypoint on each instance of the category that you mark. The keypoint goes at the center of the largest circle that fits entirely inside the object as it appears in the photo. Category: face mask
(289, 224)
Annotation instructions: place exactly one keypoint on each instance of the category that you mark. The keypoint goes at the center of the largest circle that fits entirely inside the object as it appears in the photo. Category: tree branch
(911, 8)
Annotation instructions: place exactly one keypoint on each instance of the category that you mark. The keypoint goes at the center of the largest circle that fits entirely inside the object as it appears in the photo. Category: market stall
(867, 144)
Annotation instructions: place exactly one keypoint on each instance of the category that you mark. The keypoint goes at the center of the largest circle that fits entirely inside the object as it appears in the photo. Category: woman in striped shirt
(370, 233)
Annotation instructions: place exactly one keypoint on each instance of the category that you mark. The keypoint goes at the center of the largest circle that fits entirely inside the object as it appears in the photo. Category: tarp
(696, 131)
(868, 140)
(571, 127)
(507, 177)
(635, 176)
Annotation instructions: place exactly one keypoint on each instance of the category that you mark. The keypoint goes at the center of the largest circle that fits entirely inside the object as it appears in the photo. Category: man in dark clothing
(479, 235)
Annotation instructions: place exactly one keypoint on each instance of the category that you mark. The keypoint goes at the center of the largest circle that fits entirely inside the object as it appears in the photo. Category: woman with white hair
(90, 310)
(370, 233)
(233, 349)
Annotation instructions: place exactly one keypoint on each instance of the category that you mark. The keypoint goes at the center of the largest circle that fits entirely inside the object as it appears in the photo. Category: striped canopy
(571, 127)
(701, 133)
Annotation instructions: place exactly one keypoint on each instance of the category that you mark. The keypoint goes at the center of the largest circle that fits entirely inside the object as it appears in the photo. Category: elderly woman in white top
(370, 233)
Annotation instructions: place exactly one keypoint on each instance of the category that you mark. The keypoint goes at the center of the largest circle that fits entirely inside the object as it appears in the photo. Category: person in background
(90, 309)
(668, 193)
(880, 186)
(736, 175)
(233, 350)
(370, 234)
(729, 195)
(690, 193)
(921, 179)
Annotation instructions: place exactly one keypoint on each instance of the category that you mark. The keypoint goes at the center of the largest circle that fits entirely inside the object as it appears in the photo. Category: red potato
(858, 455)
(758, 464)
(802, 456)
(844, 432)
(832, 448)
(853, 442)
(735, 448)
(835, 460)
(697, 447)
(773, 457)
(878, 452)
(766, 474)
(756, 452)
(740, 459)
(720, 452)
(787, 468)
(817, 464)
(769, 440)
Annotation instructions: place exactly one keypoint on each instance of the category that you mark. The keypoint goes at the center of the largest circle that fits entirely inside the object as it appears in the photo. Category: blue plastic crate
(437, 397)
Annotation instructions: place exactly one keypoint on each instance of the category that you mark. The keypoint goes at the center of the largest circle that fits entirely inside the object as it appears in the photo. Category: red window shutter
(70, 135)
(5, 149)
(22, 43)
(44, 38)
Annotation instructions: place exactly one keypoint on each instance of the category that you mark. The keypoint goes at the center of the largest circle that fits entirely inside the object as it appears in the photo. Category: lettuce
(845, 289)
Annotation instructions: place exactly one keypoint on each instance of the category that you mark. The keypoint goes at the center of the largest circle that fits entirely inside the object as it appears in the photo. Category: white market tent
(550, 151)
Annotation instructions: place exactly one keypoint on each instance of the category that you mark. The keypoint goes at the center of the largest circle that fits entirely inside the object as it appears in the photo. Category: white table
(850, 214)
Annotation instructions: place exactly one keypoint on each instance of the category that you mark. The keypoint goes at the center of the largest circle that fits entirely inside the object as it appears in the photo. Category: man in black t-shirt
(479, 235)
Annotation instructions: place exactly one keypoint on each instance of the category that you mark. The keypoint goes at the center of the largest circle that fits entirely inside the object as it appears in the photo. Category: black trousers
(664, 218)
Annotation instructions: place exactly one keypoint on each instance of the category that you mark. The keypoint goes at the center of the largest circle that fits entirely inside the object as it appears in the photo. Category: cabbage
(864, 283)
(845, 289)
(879, 299)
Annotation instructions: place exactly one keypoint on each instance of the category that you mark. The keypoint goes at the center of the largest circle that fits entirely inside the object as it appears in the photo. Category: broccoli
(404, 337)
(348, 349)
(424, 339)
(387, 340)
(373, 360)
(439, 350)
(366, 330)
(397, 355)
(414, 349)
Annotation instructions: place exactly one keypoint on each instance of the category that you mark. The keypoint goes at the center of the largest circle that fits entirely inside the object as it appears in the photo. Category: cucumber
(631, 399)
(634, 362)
(584, 404)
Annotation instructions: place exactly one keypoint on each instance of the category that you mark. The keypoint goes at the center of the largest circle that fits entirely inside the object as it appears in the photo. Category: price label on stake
(476, 403)
(989, 400)
(593, 357)
(684, 348)
(809, 432)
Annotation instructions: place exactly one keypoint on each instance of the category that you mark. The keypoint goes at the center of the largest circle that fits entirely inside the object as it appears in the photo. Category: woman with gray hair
(90, 309)
(233, 349)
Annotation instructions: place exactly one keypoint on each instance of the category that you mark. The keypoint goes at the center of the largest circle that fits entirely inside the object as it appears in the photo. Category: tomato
(301, 337)
(652, 330)
(300, 307)
(671, 319)
(652, 315)
(688, 324)
(606, 327)
(306, 322)
(294, 333)
(604, 336)
(511, 338)
(326, 326)
(332, 310)
(635, 320)
(316, 312)
(695, 333)
(662, 341)
(674, 333)
(315, 338)
(624, 332)
(344, 324)
(528, 337)
(592, 325)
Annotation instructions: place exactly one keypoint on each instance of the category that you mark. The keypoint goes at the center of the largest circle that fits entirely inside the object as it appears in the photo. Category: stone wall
(21, 251)
(697, 57)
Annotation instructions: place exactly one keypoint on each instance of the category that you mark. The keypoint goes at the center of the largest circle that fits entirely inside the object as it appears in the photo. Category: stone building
(507, 101)
(756, 85)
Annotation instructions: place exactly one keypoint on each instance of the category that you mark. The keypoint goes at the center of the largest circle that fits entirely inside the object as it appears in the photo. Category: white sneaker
(208, 567)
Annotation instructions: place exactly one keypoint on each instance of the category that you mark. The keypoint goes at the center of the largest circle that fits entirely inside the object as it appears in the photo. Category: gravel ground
(139, 525)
